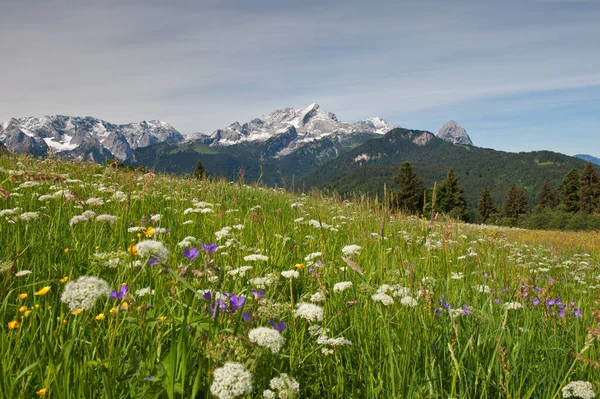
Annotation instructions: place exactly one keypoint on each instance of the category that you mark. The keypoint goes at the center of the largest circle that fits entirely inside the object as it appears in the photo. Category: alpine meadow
(118, 283)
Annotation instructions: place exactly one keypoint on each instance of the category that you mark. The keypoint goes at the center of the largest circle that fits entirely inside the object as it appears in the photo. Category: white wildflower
(78, 219)
(254, 257)
(45, 197)
(350, 250)
(240, 271)
(309, 312)
(155, 218)
(456, 276)
(342, 286)
(230, 381)
(22, 273)
(224, 232)
(484, 289)
(290, 274)
(26, 216)
(144, 291)
(152, 248)
(94, 201)
(89, 214)
(110, 219)
(263, 282)
(312, 256)
(513, 306)
(285, 386)
(409, 301)
(317, 297)
(83, 292)
(578, 389)
(383, 298)
(267, 338)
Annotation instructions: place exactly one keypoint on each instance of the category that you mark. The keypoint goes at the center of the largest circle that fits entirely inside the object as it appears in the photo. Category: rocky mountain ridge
(83, 138)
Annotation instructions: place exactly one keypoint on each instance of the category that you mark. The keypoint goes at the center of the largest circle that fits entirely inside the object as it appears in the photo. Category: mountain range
(84, 138)
(295, 147)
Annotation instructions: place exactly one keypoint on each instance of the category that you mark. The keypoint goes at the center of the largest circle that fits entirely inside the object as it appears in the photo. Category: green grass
(167, 345)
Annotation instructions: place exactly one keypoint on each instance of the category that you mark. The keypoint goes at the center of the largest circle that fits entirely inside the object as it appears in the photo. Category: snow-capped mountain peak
(83, 137)
(310, 123)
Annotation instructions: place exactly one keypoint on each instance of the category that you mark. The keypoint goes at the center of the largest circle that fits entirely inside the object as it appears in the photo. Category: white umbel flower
(290, 274)
(110, 219)
(267, 338)
(148, 248)
(350, 250)
(231, 380)
(578, 389)
(342, 286)
(77, 219)
(27, 216)
(249, 258)
(317, 297)
(409, 301)
(383, 298)
(285, 386)
(513, 306)
(83, 292)
(309, 312)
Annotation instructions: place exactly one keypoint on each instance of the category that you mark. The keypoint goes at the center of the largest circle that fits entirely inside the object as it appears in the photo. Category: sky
(518, 75)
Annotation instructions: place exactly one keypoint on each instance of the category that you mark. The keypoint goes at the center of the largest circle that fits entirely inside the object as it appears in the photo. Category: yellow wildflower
(27, 314)
(300, 266)
(64, 321)
(162, 318)
(149, 231)
(37, 306)
(76, 312)
(132, 250)
(64, 279)
(13, 325)
(42, 392)
(43, 291)
(97, 247)
(114, 310)
(66, 250)
(23, 309)
(100, 316)
(125, 306)
(22, 296)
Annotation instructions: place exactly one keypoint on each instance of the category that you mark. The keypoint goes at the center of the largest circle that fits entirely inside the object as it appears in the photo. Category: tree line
(573, 205)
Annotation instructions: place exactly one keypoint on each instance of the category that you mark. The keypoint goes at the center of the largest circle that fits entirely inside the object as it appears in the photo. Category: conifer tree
(411, 194)
(569, 190)
(546, 198)
(515, 203)
(200, 173)
(485, 206)
(450, 197)
(589, 190)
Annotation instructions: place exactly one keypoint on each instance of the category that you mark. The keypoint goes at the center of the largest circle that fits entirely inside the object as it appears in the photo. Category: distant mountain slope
(83, 138)
(366, 168)
(588, 158)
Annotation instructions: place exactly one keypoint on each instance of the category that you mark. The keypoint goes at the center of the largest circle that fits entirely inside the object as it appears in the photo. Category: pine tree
(450, 197)
(546, 198)
(515, 203)
(411, 194)
(569, 190)
(589, 190)
(485, 206)
(200, 173)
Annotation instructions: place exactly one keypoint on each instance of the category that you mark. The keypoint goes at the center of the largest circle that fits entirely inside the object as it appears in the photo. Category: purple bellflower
(120, 294)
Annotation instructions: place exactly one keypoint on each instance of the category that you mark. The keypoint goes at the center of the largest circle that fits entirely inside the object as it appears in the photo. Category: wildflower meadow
(122, 284)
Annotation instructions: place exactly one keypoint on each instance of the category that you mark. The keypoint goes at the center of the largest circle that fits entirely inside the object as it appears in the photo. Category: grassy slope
(168, 345)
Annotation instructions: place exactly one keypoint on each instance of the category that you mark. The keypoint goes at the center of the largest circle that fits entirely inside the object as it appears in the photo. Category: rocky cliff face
(454, 133)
